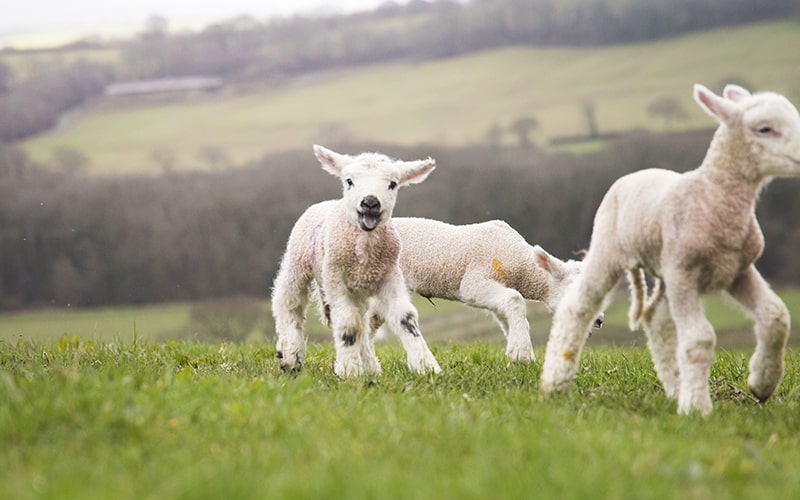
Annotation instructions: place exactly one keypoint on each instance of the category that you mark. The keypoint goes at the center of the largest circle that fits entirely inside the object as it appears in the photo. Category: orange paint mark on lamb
(569, 354)
(499, 269)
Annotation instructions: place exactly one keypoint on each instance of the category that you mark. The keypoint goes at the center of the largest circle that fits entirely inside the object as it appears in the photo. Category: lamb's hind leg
(510, 309)
(402, 319)
(771, 331)
(289, 301)
(662, 341)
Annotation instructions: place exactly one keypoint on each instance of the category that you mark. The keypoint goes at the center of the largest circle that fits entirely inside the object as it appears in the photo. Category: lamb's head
(767, 124)
(560, 276)
(370, 182)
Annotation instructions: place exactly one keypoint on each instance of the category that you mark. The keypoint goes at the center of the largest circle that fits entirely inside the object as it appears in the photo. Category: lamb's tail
(642, 305)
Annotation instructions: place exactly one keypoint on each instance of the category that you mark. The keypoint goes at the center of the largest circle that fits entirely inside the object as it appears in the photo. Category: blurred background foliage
(217, 229)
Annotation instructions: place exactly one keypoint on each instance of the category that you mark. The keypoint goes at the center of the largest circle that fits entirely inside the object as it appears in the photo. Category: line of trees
(68, 239)
(247, 50)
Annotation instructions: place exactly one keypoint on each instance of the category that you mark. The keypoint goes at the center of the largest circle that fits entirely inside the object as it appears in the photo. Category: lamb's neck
(729, 172)
(535, 283)
(381, 244)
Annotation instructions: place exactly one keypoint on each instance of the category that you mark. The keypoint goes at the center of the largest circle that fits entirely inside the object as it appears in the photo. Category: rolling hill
(452, 101)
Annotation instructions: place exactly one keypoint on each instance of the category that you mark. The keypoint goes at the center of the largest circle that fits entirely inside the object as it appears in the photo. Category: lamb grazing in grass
(348, 250)
(696, 233)
(487, 265)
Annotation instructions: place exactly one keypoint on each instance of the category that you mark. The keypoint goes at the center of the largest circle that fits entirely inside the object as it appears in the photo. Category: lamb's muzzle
(369, 213)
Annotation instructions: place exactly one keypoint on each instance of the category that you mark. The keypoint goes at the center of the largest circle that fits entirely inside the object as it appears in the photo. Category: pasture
(123, 403)
(452, 101)
(129, 419)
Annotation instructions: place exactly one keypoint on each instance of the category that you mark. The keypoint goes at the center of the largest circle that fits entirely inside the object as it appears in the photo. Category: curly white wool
(488, 265)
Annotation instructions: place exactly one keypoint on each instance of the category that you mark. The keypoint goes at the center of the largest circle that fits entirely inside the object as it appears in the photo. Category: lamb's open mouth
(369, 219)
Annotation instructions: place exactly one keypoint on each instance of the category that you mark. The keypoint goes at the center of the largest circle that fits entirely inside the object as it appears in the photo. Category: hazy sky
(28, 15)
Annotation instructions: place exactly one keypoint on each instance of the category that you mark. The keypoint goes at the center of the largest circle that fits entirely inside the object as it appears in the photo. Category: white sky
(18, 16)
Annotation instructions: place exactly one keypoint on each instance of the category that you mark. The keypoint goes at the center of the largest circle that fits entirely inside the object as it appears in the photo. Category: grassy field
(442, 322)
(122, 403)
(190, 420)
(450, 101)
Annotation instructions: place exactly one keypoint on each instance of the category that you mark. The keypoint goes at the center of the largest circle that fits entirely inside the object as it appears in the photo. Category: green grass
(188, 420)
(441, 321)
(450, 101)
(107, 323)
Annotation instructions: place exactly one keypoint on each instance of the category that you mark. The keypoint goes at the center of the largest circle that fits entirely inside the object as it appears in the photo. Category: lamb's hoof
(761, 395)
(524, 356)
(551, 386)
(426, 367)
(764, 386)
(288, 366)
(700, 405)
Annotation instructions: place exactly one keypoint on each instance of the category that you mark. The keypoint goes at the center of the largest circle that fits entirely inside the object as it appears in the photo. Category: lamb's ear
(545, 260)
(717, 107)
(413, 172)
(331, 161)
(735, 93)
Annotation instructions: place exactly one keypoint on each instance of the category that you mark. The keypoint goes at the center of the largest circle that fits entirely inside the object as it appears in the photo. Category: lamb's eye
(766, 130)
(349, 182)
(392, 185)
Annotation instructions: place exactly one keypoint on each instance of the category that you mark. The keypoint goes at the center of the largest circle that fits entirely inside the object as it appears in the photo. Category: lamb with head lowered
(487, 265)
(347, 251)
(695, 233)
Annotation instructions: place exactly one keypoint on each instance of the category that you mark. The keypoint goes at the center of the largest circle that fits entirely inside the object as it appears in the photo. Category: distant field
(450, 101)
(443, 322)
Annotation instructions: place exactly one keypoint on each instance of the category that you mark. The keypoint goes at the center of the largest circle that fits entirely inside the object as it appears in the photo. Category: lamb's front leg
(583, 301)
(348, 330)
(402, 319)
(368, 358)
(695, 349)
(771, 329)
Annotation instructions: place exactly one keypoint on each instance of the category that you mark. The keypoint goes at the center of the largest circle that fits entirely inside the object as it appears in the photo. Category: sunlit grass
(191, 420)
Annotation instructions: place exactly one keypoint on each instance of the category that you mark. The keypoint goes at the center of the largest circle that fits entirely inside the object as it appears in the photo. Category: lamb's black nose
(371, 203)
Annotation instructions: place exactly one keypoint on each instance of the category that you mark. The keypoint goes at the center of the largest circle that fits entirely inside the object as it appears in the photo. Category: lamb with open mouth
(369, 213)
(369, 220)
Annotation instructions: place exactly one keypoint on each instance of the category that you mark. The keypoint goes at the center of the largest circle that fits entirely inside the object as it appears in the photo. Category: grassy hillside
(451, 101)
(193, 420)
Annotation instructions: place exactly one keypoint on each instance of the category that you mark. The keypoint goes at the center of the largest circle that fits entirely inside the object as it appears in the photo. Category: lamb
(696, 233)
(487, 265)
(347, 251)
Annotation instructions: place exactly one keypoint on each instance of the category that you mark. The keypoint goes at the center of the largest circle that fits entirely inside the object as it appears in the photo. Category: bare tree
(494, 136)
(669, 109)
(70, 161)
(590, 115)
(165, 158)
(215, 157)
(523, 127)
